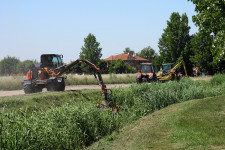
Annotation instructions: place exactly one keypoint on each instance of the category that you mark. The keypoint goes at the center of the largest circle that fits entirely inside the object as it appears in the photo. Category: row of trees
(205, 49)
(12, 65)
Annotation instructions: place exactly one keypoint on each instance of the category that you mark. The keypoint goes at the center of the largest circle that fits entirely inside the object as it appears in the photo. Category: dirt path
(68, 88)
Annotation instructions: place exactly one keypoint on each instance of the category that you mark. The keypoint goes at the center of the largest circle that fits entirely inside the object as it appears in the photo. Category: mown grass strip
(196, 124)
(78, 124)
(43, 101)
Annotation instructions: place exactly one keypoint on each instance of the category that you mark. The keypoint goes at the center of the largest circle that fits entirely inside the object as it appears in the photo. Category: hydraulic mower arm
(178, 65)
(96, 71)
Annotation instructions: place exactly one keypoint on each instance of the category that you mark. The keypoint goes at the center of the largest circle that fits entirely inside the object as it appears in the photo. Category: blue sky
(31, 28)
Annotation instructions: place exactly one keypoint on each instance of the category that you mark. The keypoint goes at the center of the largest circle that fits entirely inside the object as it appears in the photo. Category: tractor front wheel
(28, 88)
(139, 80)
(56, 86)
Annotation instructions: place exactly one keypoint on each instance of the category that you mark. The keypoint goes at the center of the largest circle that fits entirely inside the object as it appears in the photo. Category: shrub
(218, 79)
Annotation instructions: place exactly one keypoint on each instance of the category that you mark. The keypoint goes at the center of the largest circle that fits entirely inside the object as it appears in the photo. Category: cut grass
(44, 101)
(196, 124)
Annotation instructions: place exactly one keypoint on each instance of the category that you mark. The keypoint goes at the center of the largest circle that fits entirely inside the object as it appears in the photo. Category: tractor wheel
(139, 80)
(60, 86)
(50, 87)
(56, 86)
(28, 88)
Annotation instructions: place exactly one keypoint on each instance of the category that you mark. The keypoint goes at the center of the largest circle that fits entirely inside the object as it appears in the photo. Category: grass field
(196, 124)
(14, 83)
(11, 82)
(70, 120)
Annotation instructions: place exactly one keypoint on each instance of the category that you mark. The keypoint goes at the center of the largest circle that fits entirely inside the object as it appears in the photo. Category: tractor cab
(147, 68)
(51, 61)
(167, 67)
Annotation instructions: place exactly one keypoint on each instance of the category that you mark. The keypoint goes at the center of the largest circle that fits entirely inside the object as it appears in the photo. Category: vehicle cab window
(60, 61)
(55, 61)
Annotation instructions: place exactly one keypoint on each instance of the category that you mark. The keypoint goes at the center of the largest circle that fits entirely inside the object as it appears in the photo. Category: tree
(210, 18)
(91, 50)
(9, 65)
(147, 53)
(102, 64)
(201, 44)
(128, 51)
(119, 66)
(174, 38)
(157, 62)
(24, 66)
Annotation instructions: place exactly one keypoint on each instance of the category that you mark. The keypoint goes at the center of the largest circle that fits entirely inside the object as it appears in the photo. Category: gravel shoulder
(68, 88)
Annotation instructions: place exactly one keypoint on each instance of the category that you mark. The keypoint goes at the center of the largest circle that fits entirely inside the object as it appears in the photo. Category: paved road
(68, 88)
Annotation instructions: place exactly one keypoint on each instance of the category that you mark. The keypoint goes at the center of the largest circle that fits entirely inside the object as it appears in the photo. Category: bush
(218, 79)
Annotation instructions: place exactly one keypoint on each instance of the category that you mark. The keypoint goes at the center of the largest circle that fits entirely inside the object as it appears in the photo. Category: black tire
(28, 88)
(62, 85)
(139, 80)
(50, 87)
(56, 86)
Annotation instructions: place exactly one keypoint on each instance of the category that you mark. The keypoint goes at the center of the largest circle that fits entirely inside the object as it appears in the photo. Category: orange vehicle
(49, 74)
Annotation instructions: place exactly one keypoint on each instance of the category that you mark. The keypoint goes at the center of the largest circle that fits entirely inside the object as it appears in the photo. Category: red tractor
(146, 73)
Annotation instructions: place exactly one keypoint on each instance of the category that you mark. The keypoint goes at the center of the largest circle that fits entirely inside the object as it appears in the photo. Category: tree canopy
(202, 57)
(210, 18)
(147, 53)
(12, 65)
(91, 50)
(174, 37)
(8, 65)
(128, 51)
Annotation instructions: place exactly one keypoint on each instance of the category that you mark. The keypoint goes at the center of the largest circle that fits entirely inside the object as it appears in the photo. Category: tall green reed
(76, 125)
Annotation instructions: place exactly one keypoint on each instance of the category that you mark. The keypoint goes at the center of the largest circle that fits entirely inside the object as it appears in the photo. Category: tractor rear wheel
(28, 88)
(50, 87)
(60, 86)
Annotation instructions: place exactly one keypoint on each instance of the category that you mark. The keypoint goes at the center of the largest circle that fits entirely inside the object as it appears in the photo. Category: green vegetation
(147, 53)
(91, 50)
(196, 124)
(43, 101)
(12, 65)
(208, 18)
(78, 123)
(119, 66)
